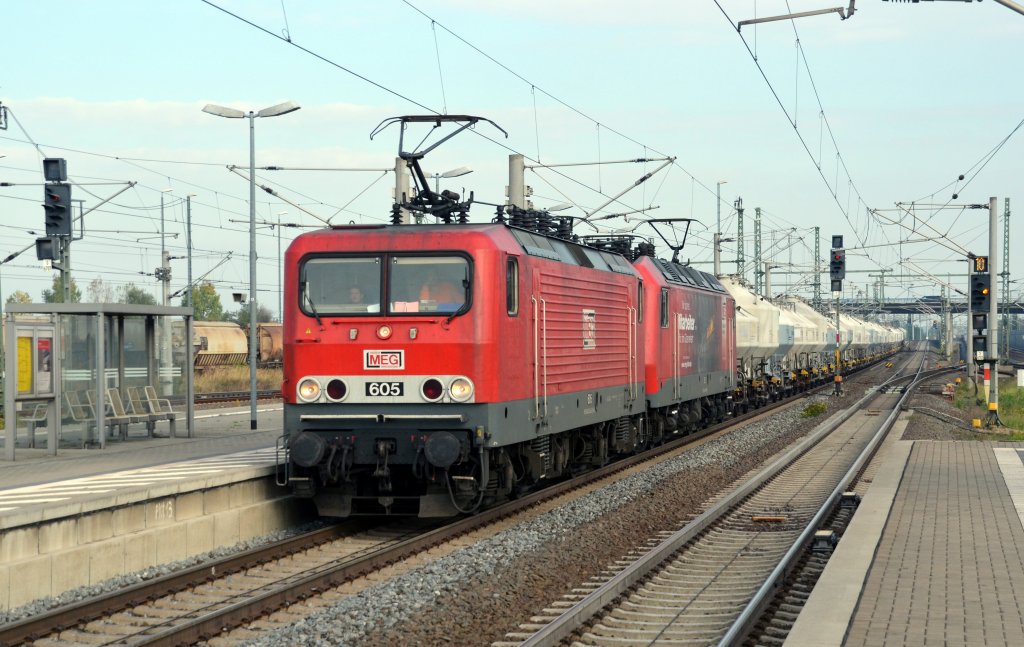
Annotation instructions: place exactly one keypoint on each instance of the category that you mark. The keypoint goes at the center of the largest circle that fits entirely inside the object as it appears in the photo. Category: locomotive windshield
(427, 283)
(341, 285)
(355, 285)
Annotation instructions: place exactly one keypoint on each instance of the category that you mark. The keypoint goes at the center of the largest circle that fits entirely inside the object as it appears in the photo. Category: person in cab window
(440, 291)
(355, 295)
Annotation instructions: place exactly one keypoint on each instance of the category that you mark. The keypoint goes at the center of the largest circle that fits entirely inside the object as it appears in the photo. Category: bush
(813, 409)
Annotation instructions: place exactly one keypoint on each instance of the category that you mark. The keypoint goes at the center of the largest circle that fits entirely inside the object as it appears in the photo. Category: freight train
(433, 369)
(225, 343)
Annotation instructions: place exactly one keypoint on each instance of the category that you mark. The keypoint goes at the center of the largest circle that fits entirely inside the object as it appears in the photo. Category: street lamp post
(231, 113)
(188, 245)
(280, 294)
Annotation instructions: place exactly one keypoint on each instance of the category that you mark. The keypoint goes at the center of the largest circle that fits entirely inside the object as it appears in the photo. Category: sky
(858, 127)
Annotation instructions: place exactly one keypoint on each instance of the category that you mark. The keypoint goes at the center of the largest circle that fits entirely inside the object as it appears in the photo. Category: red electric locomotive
(691, 350)
(429, 368)
(690, 337)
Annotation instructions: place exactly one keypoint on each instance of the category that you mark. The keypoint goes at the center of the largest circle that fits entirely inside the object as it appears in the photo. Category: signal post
(837, 272)
(983, 322)
(984, 319)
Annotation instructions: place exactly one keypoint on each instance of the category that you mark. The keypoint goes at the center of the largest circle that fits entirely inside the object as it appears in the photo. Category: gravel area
(936, 418)
(43, 605)
(476, 594)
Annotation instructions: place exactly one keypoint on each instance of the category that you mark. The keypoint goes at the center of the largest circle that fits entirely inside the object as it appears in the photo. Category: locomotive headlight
(309, 390)
(461, 389)
(384, 332)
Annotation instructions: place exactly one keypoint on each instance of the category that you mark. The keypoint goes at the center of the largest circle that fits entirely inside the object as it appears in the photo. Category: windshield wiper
(312, 307)
(465, 303)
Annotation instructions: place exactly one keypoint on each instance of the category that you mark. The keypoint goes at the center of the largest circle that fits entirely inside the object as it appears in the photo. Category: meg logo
(376, 360)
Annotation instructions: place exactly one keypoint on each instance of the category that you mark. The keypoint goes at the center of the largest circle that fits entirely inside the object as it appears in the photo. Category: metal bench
(160, 406)
(33, 413)
(140, 407)
(110, 419)
(118, 413)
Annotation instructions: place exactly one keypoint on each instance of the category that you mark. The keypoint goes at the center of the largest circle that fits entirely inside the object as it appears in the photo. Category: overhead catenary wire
(796, 130)
(424, 106)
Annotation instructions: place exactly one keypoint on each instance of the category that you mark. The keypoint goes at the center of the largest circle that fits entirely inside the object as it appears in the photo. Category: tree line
(205, 300)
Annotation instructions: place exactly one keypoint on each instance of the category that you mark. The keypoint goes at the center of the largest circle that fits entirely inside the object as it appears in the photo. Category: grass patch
(236, 378)
(1011, 405)
(813, 409)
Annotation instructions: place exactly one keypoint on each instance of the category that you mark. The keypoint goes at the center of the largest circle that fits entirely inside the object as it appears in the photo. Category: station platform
(933, 556)
(85, 516)
(38, 486)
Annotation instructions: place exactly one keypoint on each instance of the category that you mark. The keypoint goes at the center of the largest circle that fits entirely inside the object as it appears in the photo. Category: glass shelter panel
(136, 359)
(79, 387)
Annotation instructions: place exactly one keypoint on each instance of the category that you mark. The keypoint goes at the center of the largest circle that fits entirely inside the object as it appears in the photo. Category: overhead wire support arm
(200, 278)
(234, 169)
(844, 13)
(638, 160)
(639, 181)
(326, 168)
(1012, 5)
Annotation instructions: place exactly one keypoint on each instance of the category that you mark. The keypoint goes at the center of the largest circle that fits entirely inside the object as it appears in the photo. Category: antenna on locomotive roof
(446, 204)
(675, 247)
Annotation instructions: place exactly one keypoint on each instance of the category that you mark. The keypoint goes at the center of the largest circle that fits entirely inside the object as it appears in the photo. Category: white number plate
(384, 389)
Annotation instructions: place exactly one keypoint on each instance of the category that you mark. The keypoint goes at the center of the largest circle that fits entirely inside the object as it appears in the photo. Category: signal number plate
(384, 389)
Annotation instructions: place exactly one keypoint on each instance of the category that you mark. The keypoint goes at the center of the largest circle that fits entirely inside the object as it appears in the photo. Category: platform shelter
(80, 374)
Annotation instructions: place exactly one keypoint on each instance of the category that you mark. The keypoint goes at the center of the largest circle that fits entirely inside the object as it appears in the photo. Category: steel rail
(68, 616)
(583, 610)
(752, 612)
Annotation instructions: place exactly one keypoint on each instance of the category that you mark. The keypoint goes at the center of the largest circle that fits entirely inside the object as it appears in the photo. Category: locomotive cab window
(664, 307)
(345, 285)
(428, 284)
(512, 286)
(640, 302)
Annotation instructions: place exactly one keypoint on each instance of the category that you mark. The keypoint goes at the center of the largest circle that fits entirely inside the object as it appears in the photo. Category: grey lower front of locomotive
(424, 443)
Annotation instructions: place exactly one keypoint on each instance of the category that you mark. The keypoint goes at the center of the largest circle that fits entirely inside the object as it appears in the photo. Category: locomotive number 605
(384, 389)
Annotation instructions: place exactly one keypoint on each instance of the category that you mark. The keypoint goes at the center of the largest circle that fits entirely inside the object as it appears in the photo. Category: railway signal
(837, 265)
(981, 288)
(58, 209)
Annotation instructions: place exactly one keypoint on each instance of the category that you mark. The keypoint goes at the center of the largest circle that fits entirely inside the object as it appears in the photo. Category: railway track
(194, 605)
(230, 396)
(709, 582)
